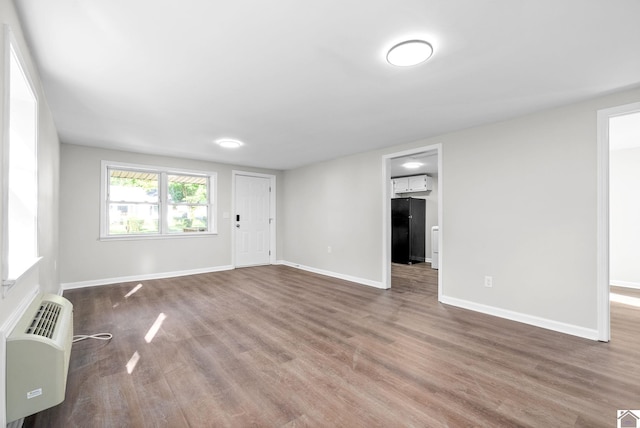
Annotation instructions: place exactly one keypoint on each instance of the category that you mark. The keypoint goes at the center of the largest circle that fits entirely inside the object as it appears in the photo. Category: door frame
(272, 213)
(602, 263)
(386, 212)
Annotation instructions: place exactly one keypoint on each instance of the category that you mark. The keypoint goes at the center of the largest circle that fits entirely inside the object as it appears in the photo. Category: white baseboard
(363, 281)
(625, 284)
(523, 318)
(161, 275)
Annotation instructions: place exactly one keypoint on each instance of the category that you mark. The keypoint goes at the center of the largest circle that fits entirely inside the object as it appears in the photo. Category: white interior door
(251, 219)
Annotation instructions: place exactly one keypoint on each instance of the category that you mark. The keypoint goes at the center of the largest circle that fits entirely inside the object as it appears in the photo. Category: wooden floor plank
(276, 346)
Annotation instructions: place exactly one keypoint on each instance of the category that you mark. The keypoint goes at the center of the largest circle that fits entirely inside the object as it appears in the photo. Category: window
(133, 202)
(20, 170)
(144, 201)
(189, 206)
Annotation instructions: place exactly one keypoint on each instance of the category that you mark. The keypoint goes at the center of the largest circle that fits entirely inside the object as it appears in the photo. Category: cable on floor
(98, 336)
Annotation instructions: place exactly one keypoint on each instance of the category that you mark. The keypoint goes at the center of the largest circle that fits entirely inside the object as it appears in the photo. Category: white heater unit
(38, 351)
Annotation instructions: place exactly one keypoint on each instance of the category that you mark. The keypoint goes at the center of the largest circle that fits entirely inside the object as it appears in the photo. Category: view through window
(156, 202)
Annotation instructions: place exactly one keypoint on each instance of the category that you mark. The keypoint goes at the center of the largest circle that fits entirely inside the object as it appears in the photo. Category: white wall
(335, 204)
(624, 206)
(84, 259)
(432, 213)
(519, 204)
(45, 276)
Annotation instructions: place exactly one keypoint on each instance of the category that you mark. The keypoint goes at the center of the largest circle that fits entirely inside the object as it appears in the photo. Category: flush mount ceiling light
(228, 143)
(412, 164)
(410, 52)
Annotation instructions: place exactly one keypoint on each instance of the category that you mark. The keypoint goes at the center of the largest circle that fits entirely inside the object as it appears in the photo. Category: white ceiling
(300, 82)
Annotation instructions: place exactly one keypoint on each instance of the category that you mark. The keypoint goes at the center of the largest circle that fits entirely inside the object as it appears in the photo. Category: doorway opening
(618, 130)
(430, 158)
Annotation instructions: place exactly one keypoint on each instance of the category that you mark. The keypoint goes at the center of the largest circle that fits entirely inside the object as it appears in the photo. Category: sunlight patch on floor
(154, 328)
(132, 362)
(133, 291)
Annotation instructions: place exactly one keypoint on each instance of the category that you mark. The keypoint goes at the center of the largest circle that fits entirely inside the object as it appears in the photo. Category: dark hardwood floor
(275, 346)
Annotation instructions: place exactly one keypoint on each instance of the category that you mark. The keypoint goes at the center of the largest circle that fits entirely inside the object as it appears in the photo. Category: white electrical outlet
(488, 281)
(329, 249)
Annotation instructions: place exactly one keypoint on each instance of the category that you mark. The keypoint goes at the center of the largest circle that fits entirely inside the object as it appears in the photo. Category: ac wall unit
(38, 351)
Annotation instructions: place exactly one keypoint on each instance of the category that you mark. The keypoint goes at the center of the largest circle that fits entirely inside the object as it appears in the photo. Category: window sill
(154, 237)
(7, 284)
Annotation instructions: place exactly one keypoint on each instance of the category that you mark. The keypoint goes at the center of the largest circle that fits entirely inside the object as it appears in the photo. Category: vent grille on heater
(45, 321)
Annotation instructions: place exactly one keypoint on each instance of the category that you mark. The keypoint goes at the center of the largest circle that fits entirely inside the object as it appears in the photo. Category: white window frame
(12, 276)
(163, 201)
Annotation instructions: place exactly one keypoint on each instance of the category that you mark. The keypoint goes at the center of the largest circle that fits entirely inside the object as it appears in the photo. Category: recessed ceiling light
(412, 164)
(410, 52)
(228, 143)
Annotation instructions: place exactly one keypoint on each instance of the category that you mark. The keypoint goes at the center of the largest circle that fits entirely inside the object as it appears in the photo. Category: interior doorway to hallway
(624, 213)
(614, 125)
(392, 167)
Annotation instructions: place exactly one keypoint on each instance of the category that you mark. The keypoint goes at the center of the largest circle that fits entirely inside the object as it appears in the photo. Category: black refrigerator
(408, 225)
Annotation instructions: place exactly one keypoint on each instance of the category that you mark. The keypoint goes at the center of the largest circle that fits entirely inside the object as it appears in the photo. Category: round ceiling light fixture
(229, 143)
(412, 164)
(410, 52)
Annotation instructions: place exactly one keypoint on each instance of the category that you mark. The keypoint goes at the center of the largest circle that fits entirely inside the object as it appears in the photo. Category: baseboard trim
(160, 275)
(362, 281)
(523, 318)
(626, 284)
